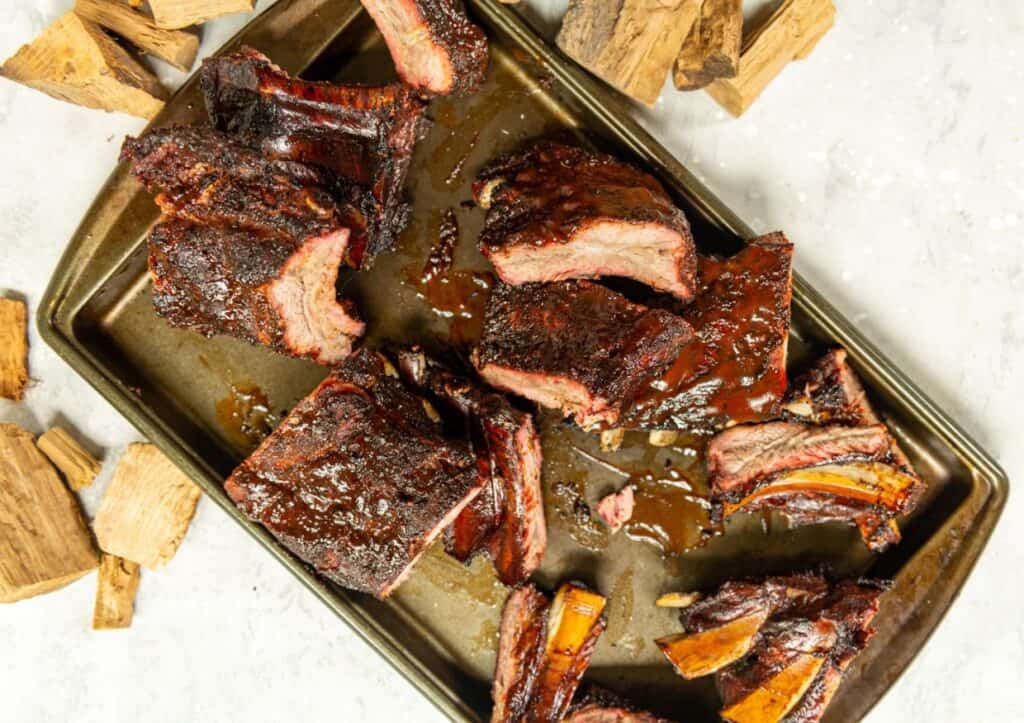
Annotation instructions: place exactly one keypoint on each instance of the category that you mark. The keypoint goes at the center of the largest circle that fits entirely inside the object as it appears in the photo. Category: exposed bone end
(485, 196)
(770, 702)
(699, 654)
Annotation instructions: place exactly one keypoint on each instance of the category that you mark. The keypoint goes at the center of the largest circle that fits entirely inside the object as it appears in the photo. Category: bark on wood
(116, 586)
(177, 47)
(712, 49)
(630, 44)
(13, 349)
(790, 33)
(176, 14)
(147, 508)
(76, 61)
(44, 541)
(78, 466)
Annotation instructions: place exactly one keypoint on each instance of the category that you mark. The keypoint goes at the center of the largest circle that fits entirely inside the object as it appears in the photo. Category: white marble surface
(893, 158)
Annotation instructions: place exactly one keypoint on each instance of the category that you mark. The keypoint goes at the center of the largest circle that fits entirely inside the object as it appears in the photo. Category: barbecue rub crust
(559, 212)
(358, 480)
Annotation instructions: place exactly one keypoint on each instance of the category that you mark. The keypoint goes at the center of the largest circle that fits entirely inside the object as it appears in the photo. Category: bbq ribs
(506, 519)
(543, 651)
(435, 47)
(246, 246)
(558, 212)
(846, 468)
(575, 346)
(360, 138)
(358, 480)
(735, 370)
(779, 647)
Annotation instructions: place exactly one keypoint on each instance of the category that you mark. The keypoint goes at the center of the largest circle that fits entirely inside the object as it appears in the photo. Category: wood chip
(790, 33)
(44, 541)
(13, 349)
(712, 49)
(177, 47)
(76, 61)
(78, 466)
(630, 44)
(116, 586)
(176, 14)
(147, 508)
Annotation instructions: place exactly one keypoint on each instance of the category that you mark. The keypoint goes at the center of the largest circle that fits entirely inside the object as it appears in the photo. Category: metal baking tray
(439, 630)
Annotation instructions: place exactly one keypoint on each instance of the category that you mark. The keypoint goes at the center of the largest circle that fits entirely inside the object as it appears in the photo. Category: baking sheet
(186, 392)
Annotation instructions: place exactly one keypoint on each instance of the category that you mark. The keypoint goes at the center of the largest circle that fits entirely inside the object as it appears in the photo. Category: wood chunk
(176, 14)
(147, 508)
(44, 541)
(78, 466)
(629, 44)
(76, 61)
(712, 49)
(13, 349)
(790, 33)
(115, 593)
(177, 47)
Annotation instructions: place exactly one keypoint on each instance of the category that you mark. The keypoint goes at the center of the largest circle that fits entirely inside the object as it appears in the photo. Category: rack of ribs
(735, 370)
(246, 246)
(362, 138)
(436, 49)
(576, 346)
(506, 520)
(834, 460)
(359, 478)
(558, 212)
(779, 647)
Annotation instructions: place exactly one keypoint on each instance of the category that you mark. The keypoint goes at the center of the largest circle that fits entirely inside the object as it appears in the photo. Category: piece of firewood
(116, 586)
(712, 49)
(790, 33)
(76, 61)
(629, 44)
(13, 349)
(177, 47)
(44, 541)
(78, 466)
(147, 508)
(176, 14)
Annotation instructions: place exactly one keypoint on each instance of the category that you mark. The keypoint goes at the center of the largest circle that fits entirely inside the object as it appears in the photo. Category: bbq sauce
(245, 414)
(456, 294)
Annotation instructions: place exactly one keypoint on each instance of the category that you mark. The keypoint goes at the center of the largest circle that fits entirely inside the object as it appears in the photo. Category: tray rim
(55, 319)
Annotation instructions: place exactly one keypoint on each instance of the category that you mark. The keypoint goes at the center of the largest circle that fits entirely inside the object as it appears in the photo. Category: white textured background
(893, 159)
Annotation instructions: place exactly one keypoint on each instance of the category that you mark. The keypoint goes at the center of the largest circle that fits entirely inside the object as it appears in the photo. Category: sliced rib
(362, 137)
(271, 291)
(744, 455)
(435, 47)
(507, 518)
(735, 371)
(576, 346)
(558, 212)
(358, 480)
